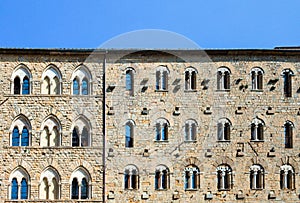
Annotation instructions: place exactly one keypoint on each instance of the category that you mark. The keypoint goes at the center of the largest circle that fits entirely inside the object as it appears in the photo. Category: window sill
(259, 189)
(257, 90)
(161, 90)
(190, 141)
(223, 189)
(257, 141)
(134, 190)
(192, 90)
(225, 90)
(161, 141)
(191, 189)
(161, 190)
(224, 141)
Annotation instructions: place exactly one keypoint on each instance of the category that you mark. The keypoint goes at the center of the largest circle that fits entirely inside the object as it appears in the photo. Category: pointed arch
(81, 81)
(20, 125)
(21, 80)
(49, 184)
(50, 132)
(51, 80)
(19, 184)
(81, 132)
(80, 184)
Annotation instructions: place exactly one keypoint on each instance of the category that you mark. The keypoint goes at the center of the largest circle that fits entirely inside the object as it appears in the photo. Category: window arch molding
(18, 175)
(224, 177)
(224, 126)
(21, 80)
(129, 79)
(49, 185)
(191, 177)
(190, 78)
(81, 134)
(257, 129)
(257, 78)
(162, 76)
(50, 132)
(83, 79)
(162, 177)
(54, 85)
(191, 129)
(223, 78)
(257, 177)
(80, 184)
(131, 177)
(162, 126)
(18, 135)
(287, 177)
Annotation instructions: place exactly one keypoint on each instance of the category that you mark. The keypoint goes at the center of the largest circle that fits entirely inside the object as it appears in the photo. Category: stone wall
(206, 105)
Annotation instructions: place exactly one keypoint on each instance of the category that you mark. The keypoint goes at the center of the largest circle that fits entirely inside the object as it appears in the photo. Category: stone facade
(215, 126)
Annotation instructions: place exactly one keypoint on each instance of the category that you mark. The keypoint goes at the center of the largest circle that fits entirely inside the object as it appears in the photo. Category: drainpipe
(104, 125)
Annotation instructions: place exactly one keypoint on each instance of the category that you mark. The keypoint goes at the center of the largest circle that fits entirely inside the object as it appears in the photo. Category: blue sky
(209, 23)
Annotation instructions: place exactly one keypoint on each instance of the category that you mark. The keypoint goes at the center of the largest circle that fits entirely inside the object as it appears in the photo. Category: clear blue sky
(89, 23)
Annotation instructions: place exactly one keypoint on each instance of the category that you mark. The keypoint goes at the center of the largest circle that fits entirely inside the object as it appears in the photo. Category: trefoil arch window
(190, 130)
(51, 81)
(21, 132)
(81, 133)
(131, 177)
(19, 187)
(162, 74)
(81, 81)
(256, 177)
(49, 184)
(51, 133)
(21, 80)
(257, 130)
(190, 78)
(223, 132)
(288, 134)
(161, 128)
(161, 178)
(223, 78)
(287, 177)
(80, 184)
(224, 177)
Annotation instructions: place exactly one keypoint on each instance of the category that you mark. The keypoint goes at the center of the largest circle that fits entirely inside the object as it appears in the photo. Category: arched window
(162, 126)
(162, 78)
(161, 178)
(287, 177)
(287, 82)
(129, 80)
(14, 189)
(75, 138)
(82, 190)
(288, 134)
(50, 135)
(85, 87)
(256, 177)
(21, 80)
(17, 85)
(224, 176)
(15, 137)
(75, 189)
(131, 177)
(19, 184)
(191, 177)
(190, 78)
(223, 78)
(75, 87)
(49, 184)
(129, 134)
(257, 130)
(257, 78)
(81, 135)
(51, 81)
(82, 80)
(224, 129)
(20, 135)
(190, 130)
